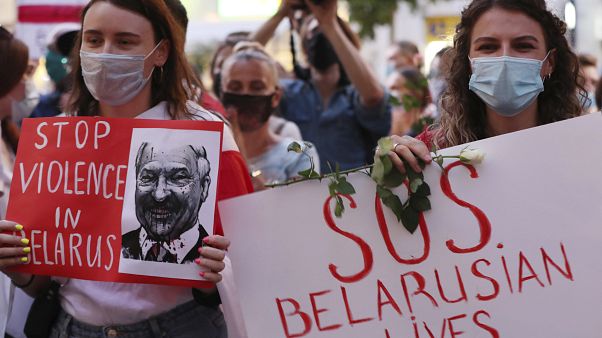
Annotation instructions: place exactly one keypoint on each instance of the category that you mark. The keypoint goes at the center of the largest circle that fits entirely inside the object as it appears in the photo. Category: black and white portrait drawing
(172, 179)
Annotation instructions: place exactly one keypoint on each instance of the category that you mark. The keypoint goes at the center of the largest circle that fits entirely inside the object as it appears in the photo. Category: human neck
(326, 81)
(138, 105)
(258, 141)
(498, 124)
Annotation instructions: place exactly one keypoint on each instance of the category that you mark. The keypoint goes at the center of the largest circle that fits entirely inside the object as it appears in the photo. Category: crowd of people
(510, 68)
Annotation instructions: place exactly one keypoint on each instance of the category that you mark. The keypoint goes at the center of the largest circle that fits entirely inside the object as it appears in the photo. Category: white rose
(474, 156)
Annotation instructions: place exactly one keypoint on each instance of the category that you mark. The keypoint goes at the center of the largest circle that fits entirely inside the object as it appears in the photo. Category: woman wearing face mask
(13, 56)
(129, 63)
(250, 92)
(512, 69)
(411, 89)
(343, 120)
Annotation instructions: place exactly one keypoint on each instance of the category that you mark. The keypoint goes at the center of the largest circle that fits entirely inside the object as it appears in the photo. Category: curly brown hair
(168, 84)
(463, 117)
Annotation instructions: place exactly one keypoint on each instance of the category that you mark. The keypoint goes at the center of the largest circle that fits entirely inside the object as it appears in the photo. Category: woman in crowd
(251, 93)
(512, 69)
(277, 124)
(14, 57)
(411, 89)
(143, 37)
(341, 108)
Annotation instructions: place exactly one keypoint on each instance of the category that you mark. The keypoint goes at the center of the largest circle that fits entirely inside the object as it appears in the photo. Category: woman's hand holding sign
(212, 257)
(14, 249)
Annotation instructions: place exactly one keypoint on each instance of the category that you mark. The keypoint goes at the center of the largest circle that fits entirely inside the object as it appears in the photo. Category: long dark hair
(168, 84)
(463, 117)
(14, 57)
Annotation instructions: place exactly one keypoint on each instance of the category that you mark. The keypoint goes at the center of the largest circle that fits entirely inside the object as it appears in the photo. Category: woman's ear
(162, 53)
(550, 64)
(276, 98)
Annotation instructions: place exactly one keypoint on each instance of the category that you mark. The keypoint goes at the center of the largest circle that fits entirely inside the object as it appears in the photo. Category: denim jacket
(345, 132)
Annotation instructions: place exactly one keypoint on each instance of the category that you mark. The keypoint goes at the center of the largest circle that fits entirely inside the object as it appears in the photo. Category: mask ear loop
(549, 75)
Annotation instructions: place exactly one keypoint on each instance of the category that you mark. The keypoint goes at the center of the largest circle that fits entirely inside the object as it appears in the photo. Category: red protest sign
(121, 200)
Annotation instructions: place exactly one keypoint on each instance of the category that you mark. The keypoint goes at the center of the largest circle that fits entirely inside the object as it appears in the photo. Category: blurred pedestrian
(251, 93)
(341, 108)
(403, 54)
(588, 68)
(415, 110)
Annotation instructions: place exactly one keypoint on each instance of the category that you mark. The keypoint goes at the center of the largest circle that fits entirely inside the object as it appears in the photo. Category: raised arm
(266, 31)
(370, 91)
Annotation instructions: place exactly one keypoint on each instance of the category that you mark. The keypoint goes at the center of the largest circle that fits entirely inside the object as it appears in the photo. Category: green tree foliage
(371, 13)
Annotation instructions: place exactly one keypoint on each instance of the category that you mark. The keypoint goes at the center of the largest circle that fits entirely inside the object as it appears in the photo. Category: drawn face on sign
(171, 185)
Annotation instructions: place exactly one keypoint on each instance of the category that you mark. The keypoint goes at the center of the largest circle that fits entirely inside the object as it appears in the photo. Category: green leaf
(394, 101)
(393, 179)
(382, 166)
(339, 208)
(409, 219)
(414, 184)
(385, 145)
(305, 173)
(294, 146)
(420, 203)
(332, 188)
(412, 175)
(344, 187)
(391, 200)
(423, 190)
(378, 170)
(313, 174)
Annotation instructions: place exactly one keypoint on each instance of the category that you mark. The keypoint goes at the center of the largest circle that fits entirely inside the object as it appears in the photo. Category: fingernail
(206, 239)
(24, 241)
(202, 274)
(19, 227)
(198, 261)
(27, 250)
(200, 248)
(24, 259)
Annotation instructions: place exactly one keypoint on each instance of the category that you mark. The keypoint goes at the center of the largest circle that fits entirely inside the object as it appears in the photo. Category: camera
(304, 6)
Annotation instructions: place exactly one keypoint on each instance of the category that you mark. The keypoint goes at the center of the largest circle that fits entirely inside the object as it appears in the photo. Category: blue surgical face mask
(506, 84)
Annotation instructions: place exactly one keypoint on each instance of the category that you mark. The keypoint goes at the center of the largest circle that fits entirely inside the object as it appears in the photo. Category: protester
(277, 124)
(343, 120)
(521, 46)
(403, 54)
(588, 66)
(437, 77)
(411, 89)
(14, 58)
(153, 87)
(251, 93)
(60, 44)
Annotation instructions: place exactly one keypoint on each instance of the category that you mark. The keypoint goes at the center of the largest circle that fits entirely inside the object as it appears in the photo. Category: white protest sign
(512, 252)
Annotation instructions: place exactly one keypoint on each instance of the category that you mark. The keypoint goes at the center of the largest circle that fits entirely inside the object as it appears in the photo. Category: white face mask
(114, 79)
(24, 107)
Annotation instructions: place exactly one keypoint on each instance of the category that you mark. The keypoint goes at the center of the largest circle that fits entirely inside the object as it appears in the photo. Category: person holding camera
(341, 107)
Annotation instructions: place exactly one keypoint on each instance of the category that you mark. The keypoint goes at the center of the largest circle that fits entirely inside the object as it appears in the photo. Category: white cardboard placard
(537, 276)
